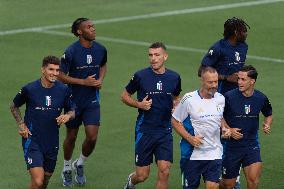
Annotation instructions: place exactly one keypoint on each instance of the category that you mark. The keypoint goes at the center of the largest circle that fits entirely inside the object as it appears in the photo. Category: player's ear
(79, 32)
(42, 70)
(166, 56)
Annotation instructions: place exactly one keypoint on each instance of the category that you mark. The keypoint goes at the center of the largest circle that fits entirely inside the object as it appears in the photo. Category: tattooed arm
(23, 129)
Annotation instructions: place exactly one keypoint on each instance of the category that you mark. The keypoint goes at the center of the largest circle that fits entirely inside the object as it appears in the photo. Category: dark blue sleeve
(226, 108)
(65, 62)
(21, 98)
(212, 57)
(69, 105)
(133, 84)
(178, 87)
(267, 108)
(104, 58)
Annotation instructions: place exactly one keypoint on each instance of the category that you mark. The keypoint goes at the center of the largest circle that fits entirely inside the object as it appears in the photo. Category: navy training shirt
(243, 112)
(43, 106)
(226, 59)
(80, 62)
(161, 88)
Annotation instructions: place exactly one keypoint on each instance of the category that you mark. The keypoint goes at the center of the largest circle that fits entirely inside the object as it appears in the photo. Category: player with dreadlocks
(83, 67)
(228, 56)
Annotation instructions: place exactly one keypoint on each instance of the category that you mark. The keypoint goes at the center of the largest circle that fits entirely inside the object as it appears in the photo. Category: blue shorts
(89, 115)
(234, 158)
(34, 157)
(147, 145)
(193, 169)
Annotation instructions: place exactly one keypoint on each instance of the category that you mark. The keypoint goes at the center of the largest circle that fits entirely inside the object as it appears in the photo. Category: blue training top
(43, 106)
(81, 62)
(160, 88)
(243, 112)
(226, 59)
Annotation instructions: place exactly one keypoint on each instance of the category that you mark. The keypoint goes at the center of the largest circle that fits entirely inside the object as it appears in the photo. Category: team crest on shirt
(200, 110)
(210, 52)
(219, 108)
(237, 55)
(247, 109)
(159, 86)
(48, 100)
(89, 59)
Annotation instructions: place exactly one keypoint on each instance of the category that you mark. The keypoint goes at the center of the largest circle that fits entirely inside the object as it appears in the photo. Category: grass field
(32, 29)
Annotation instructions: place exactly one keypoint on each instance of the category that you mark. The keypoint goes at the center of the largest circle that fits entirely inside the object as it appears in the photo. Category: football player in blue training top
(158, 91)
(228, 56)
(44, 98)
(83, 68)
(242, 109)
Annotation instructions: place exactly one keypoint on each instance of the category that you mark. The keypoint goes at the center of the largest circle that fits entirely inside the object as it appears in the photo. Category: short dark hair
(234, 24)
(50, 60)
(76, 24)
(158, 45)
(251, 71)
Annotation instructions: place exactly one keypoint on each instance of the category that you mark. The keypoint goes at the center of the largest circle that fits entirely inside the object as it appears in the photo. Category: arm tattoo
(16, 113)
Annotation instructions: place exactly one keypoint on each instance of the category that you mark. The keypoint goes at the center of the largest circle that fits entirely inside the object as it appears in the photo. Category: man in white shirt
(205, 109)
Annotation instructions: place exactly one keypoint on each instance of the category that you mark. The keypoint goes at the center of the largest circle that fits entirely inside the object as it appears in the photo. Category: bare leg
(163, 174)
(37, 177)
(253, 173)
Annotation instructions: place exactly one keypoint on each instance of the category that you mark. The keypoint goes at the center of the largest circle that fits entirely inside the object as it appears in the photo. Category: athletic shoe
(67, 178)
(79, 173)
(127, 184)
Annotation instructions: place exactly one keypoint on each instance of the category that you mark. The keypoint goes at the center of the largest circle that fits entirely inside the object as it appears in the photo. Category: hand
(195, 141)
(226, 133)
(91, 81)
(24, 131)
(62, 119)
(236, 134)
(233, 78)
(145, 104)
(266, 128)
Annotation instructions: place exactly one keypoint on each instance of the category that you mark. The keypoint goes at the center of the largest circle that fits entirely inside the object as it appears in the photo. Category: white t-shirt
(205, 116)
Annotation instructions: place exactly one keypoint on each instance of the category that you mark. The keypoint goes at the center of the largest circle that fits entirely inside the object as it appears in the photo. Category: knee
(227, 185)
(253, 181)
(71, 139)
(141, 177)
(38, 183)
(164, 172)
(91, 139)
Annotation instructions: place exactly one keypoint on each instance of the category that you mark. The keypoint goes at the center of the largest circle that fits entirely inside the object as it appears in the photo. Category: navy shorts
(192, 170)
(89, 115)
(234, 158)
(149, 145)
(34, 157)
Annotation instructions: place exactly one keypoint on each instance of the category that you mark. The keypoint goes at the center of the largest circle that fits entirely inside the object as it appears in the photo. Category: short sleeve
(178, 87)
(181, 113)
(133, 84)
(267, 108)
(65, 62)
(211, 58)
(21, 98)
(69, 105)
(104, 61)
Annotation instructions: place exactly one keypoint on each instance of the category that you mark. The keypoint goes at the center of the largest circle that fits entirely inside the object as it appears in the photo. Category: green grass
(113, 160)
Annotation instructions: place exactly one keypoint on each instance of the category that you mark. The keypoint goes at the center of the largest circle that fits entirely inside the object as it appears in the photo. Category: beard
(212, 91)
